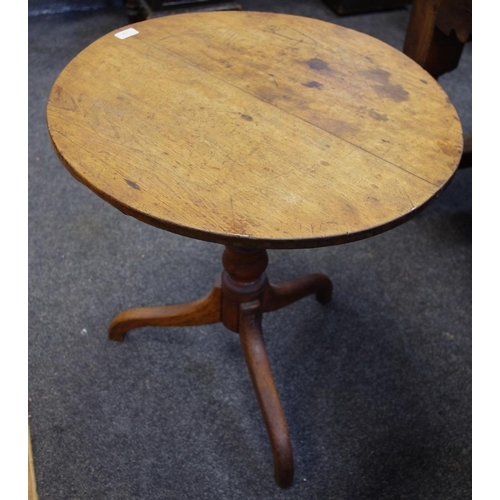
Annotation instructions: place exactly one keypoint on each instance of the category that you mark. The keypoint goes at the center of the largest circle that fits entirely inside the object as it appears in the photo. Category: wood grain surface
(255, 129)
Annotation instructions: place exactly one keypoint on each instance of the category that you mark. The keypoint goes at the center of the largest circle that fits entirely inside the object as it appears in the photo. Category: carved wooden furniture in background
(436, 34)
(256, 131)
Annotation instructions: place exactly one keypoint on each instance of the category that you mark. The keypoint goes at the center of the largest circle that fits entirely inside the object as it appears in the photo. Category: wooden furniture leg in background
(240, 296)
(435, 37)
(437, 32)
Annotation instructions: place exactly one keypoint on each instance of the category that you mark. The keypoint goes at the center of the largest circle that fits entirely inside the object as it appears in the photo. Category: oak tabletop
(255, 129)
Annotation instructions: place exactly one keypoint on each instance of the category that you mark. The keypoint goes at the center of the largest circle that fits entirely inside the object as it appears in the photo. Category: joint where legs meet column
(243, 280)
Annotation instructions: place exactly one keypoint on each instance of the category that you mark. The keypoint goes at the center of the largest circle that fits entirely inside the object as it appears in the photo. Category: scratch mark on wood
(232, 210)
(409, 199)
(378, 116)
(306, 36)
(91, 108)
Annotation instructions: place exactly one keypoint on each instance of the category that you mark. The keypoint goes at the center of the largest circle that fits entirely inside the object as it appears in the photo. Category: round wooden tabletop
(255, 129)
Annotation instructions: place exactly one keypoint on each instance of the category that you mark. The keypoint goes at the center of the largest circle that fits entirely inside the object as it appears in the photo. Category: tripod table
(256, 131)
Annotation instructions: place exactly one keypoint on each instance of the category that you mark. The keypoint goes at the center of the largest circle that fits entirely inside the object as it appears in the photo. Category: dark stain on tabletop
(132, 184)
(339, 128)
(313, 85)
(318, 64)
(62, 99)
(384, 87)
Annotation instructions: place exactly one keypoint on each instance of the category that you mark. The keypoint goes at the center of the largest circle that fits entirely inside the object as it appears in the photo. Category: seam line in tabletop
(189, 63)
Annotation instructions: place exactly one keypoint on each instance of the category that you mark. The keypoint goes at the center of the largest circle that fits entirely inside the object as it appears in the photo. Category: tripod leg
(200, 312)
(254, 349)
(283, 294)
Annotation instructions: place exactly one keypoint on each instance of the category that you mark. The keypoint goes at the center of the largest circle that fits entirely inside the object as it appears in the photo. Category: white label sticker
(126, 33)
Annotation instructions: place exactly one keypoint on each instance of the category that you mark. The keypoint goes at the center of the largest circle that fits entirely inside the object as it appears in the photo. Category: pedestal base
(240, 296)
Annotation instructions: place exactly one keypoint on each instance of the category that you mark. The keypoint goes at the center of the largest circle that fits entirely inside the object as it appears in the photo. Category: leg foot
(254, 349)
(283, 294)
(200, 312)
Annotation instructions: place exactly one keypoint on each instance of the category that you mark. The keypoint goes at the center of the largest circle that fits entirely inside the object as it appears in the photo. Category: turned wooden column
(243, 280)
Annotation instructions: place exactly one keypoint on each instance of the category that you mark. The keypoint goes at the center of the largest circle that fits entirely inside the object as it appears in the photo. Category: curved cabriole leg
(200, 312)
(254, 349)
(283, 294)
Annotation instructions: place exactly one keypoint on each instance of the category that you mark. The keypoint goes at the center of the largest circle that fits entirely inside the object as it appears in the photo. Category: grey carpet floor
(376, 386)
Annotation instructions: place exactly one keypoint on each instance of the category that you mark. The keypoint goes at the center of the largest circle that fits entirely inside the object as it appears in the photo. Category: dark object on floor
(363, 6)
(140, 10)
(435, 38)
(137, 10)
